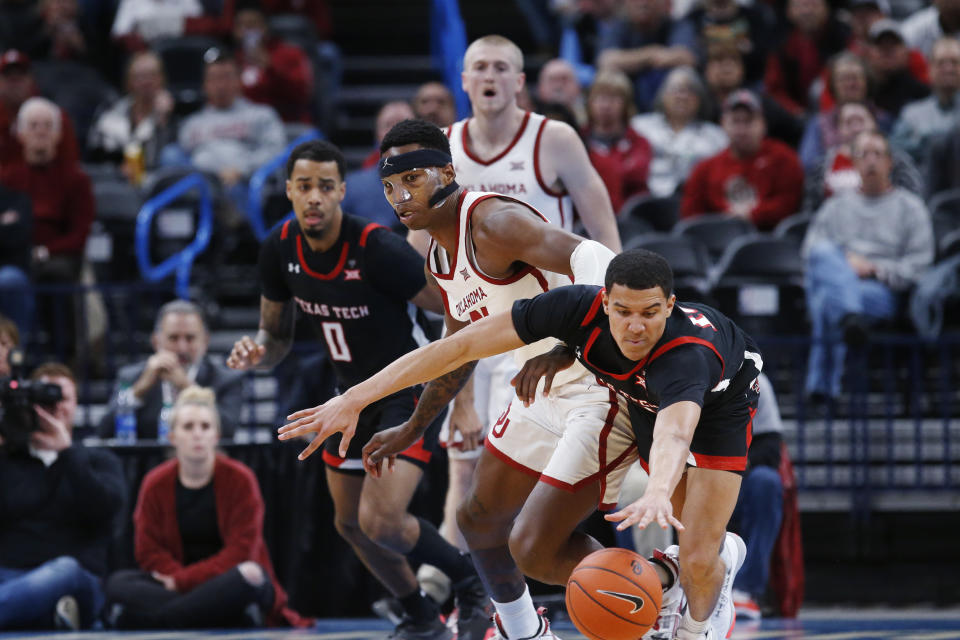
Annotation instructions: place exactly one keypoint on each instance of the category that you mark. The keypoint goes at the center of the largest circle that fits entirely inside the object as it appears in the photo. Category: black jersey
(697, 358)
(355, 293)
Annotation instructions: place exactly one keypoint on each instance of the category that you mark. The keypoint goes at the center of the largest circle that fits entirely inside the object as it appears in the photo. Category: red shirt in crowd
(772, 179)
(623, 166)
(286, 83)
(158, 543)
(62, 200)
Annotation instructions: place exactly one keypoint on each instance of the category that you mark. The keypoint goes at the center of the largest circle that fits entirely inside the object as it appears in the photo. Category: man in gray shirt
(863, 248)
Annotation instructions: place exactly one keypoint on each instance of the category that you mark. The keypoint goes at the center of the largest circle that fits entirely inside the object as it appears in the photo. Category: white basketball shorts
(491, 393)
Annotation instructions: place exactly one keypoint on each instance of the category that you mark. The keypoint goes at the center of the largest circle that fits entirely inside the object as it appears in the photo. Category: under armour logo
(463, 272)
(636, 601)
(516, 166)
(641, 381)
(351, 274)
(293, 268)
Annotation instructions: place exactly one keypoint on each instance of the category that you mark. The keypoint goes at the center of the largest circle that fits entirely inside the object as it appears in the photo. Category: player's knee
(530, 551)
(382, 527)
(349, 530)
(699, 563)
(252, 573)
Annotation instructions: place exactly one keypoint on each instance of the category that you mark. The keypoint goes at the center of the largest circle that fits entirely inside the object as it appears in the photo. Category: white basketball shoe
(543, 633)
(724, 615)
(671, 607)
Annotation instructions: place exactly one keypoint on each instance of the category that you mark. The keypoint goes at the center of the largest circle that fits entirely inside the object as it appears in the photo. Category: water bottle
(125, 421)
(163, 422)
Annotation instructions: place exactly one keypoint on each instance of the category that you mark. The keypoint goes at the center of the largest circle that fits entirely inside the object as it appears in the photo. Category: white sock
(519, 618)
(694, 626)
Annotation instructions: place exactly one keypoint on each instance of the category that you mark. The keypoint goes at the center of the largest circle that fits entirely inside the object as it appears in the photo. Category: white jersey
(469, 294)
(514, 172)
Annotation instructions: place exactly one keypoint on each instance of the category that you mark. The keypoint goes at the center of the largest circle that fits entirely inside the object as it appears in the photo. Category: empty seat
(688, 259)
(794, 227)
(945, 212)
(759, 283)
(183, 65)
(660, 213)
(715, 231)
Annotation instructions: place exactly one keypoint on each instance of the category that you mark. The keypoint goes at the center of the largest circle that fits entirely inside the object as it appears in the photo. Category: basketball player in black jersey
(353, 279)
(689, 376)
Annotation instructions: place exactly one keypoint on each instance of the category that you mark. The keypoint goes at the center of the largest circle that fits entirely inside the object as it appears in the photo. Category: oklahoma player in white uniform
(487, 251)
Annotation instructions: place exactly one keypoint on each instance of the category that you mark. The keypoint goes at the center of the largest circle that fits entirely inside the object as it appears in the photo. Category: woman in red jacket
(198, 534)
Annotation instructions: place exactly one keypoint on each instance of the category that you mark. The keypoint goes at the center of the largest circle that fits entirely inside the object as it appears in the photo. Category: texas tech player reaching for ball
(353, 279)
(486, 252)
(689, 376)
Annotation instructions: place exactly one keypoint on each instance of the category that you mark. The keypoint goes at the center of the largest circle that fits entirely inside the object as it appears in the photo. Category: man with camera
(58, 501)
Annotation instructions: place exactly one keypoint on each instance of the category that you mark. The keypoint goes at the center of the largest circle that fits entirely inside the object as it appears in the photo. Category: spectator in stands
(591, 20)
(58, 503)
(755, 178)
(922, 121)
(9, 339)
(619, 154)
(434, 103)
(230, 136)
(16, 85)
(646, 44)
(724, 74)
(759, 509)
(813, 37)
(863, 249)
(943, 163)
(389, 114)
(837, 172)
(16, 243)
(272, 72)
(316, 11)
(141, 23)
(747, 29)
(60, 35)
(198, 537)
(848, 80)
(678, 131)
(60, 193)
(889, 60)
(557, 83)
(925, 27)
(180, 340)
(139, 122)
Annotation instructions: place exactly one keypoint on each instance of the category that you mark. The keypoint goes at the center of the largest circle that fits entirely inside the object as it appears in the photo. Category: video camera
(18, 397)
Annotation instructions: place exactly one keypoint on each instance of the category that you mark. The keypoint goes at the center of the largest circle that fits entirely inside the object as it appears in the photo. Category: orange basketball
(614, 594)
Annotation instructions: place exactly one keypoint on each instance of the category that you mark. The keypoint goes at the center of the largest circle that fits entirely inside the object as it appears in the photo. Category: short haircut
(617, 83)
(945, 41)
(857, 142)
(53, 370)
(9, 328)
(640, 269)
(494, 40)
(196, 396)
(851, 59)
(33, 104)
(179, 306)
(426, 134)
(146, 54)
(692, 79)
(317, 151)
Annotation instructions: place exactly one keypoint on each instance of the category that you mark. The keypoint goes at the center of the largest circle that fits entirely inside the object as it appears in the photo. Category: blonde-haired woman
(198, 535)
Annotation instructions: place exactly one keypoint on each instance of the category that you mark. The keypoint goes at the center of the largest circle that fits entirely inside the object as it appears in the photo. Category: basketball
(614, 594)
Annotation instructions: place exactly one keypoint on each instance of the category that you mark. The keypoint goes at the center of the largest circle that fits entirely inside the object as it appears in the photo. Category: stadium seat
(660, 213)
(949, 245)
(759, 283)
(944, 210)
(76, 88)
(687, 257)
(794, 228)
(715, 230)
(183, 66)
(110, 246)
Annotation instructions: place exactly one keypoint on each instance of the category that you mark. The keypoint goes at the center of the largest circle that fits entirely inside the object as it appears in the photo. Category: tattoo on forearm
(437, 394)
(276, 332)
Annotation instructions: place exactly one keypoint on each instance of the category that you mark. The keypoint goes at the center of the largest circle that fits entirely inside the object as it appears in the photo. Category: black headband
(413, 160)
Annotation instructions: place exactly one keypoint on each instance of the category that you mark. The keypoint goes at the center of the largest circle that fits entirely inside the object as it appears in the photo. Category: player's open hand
(464, 419)
(544, 366)
(649, 508)
(385, 445)
(246, 354)
(337, 415)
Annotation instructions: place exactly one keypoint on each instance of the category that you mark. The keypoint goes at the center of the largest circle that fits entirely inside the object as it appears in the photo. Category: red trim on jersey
(519, 274)
(446, 304)
(465, 141)
(753, 412)
(417, 451)
(604, 434)
(453, 266)
(563, 218)
(536, 167)
(449, 130)
(508, 460)
(573, 488)
(332, 460)
(366, 231)
(322, 276)
(676, 342)
(594, 308)
(720, 463)
(285, 229)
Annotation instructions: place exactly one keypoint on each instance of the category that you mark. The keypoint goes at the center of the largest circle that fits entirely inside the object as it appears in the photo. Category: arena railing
(180, 263)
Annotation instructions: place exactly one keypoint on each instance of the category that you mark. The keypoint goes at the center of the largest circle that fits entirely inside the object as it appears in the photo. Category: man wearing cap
(889, 60)
(923, 120)
(756, 177)
(16, 85)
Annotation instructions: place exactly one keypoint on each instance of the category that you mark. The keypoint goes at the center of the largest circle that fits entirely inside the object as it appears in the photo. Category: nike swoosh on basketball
(636, 601)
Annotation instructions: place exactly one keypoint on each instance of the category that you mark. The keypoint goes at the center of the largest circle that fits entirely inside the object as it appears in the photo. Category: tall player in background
(486, 252)
(542, 162)
(353, 279)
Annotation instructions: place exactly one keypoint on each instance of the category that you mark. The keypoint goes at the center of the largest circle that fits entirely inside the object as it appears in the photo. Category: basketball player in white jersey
(486, 252)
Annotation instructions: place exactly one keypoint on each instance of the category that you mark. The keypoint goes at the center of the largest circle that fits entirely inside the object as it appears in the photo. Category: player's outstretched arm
(563, 147)
(487, 337)
(672, 434)
(272, 342)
